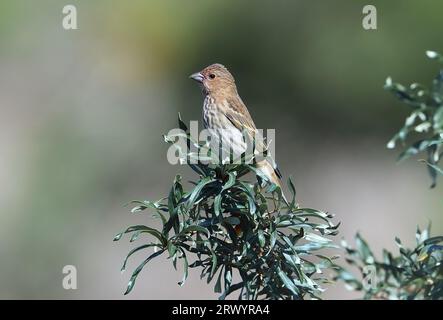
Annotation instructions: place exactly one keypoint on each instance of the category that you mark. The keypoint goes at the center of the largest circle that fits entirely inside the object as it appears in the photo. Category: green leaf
(118, 236)
(312, 246)
(309, 236)
(196, 192)
(195, 228)
(433, 240)
(157, 234)
(231, 180)
(185, 268)
(172, 249)
(364, 250)
(214, 263)
(416, 148)
(261, 238)
(436, 168)
(135, 236)
(143, 205)
(217, 204)
(272, 241)
(249, 192)
(134, 276)
(138, 209)
(143, 229)
(173, 222)
(293, 260)
(162, 218)
(293, 192)
(145, 246)
(217, 287)
(228, 278)
(288, 283)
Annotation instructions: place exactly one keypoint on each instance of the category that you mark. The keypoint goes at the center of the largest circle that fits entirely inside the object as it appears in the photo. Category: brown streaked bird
(224, 109)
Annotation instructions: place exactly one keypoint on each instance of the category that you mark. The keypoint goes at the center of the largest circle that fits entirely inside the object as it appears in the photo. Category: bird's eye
(212, 76)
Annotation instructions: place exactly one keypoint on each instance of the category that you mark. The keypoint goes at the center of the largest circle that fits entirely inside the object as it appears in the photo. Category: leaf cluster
(413, 273)
(240, 234)
(424, 125)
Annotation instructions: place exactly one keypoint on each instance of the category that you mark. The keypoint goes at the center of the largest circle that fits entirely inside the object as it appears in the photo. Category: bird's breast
(222, 132)
(213, 114)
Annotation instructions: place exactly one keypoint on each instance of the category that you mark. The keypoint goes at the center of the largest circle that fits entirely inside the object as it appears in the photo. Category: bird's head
(215, 79)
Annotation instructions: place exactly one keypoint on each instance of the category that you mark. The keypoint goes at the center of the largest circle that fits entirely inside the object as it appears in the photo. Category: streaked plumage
(224, 109)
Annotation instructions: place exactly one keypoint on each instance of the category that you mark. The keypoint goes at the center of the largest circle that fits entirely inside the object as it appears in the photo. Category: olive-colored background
(82, 113)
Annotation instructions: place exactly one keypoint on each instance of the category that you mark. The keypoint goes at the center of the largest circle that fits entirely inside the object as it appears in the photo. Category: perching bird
(224, 109)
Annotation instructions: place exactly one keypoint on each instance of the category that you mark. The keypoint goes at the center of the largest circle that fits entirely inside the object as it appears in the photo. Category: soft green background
(82, 113)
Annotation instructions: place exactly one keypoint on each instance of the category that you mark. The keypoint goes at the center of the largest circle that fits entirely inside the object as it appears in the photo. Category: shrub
(241, 235)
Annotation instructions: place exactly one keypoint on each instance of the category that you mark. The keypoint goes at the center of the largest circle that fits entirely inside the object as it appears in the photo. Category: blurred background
(82, 114)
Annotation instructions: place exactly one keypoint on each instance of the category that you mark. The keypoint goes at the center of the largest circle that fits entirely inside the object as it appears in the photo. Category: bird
(227, 118)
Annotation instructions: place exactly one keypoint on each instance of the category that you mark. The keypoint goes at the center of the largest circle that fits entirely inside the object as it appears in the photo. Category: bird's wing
(240, 118)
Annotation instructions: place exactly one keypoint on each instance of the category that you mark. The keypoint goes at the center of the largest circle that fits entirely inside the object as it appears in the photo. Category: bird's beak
(197, 77)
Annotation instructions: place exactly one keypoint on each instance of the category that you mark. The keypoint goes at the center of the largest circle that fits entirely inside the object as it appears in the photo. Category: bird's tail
(273, 174)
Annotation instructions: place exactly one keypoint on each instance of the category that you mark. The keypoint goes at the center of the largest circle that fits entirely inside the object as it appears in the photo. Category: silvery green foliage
(413, 273)
(425, 123)
(243, 238)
